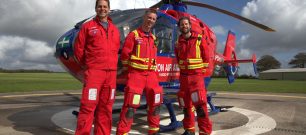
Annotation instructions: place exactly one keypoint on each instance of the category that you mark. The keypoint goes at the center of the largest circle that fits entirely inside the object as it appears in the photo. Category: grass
(26, 82)
(255, 85)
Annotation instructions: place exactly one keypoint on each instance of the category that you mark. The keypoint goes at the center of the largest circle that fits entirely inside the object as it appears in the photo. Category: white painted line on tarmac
(219, 93)
(261, 95)
(258, 123)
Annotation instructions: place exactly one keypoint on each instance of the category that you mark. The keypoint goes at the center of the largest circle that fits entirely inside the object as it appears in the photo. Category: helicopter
(166, 31)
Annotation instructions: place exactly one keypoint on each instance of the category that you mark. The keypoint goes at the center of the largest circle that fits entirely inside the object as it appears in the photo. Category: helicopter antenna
(134, 4)
(144, 4)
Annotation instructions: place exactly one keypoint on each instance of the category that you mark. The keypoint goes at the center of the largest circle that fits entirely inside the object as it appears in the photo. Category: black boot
(188, 133)
(155, 133)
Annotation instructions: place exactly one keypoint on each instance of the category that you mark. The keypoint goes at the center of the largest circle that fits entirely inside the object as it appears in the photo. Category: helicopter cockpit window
(163, 31)
(125, 29)
(126, 21)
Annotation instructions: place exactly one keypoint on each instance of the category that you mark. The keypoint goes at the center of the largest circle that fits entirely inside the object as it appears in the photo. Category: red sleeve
(204, 51)
(127, 49)
(79, 46)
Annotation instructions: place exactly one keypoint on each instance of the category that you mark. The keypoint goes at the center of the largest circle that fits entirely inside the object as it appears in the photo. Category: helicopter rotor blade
(266, 28)
(157, 5)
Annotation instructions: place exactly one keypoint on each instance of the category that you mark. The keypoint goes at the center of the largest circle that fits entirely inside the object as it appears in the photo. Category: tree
(299, 60)
(267, 62)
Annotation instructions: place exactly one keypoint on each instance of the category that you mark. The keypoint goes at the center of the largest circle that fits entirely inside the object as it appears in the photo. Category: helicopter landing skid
(174, 124)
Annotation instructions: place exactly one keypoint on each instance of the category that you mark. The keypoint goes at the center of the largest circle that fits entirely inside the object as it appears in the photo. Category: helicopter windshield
(165, 31)
(127, 21)
(165, 28)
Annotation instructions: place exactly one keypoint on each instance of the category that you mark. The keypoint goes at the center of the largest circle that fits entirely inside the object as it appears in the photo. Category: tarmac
(50, 113)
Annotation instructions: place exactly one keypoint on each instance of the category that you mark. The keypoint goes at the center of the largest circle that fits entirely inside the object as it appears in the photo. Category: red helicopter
(166, 31)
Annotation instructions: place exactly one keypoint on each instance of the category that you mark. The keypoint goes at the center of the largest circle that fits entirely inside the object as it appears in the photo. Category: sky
(30, 28)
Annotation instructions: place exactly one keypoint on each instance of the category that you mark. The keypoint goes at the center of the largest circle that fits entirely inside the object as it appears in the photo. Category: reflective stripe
(190, 128)
(191, 61)
(182, 67)
(154, 37)
(138, 45)
(196, 66)
(138, 50)
(138, 66)
(202, 132)
(181, 61)
(193, 109)
(153, 67)
(136, 33)
(125, 62)
(195, 60)
(194, 63)
(198, 43)
(205, 64)
(133, 57)
(153, 128)
(142, 66)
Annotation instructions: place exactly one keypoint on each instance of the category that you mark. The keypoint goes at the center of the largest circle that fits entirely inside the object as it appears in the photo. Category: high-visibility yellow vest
(194, 63)
(141, 63)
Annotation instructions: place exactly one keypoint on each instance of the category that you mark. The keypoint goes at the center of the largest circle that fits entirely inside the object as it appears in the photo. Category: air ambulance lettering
(176, 67)
(160, 67)
(168, 67)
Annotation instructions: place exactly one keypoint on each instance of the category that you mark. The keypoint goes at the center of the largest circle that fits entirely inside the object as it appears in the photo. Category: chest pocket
(94, 36)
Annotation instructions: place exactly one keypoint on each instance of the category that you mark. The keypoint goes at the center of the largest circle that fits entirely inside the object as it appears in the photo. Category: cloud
(33, 26)
(287, 17)
(25, 53)
(219, 30)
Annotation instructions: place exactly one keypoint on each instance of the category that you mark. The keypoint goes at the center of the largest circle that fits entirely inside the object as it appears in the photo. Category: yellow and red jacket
(192, 54)
(139, 50)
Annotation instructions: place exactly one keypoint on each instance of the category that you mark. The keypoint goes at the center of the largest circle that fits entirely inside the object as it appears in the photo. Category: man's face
(149, 20)
(185, 26)
(102, 9)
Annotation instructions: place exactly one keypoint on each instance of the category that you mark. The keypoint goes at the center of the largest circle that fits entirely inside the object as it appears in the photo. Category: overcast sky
(29, 28)
(287, 17)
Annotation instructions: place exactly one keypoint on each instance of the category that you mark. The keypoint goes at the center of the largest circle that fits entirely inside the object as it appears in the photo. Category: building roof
(285, 70)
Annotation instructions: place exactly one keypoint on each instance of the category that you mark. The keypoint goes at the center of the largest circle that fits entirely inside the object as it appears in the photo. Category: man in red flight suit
(139, 55)
(96, 48)
(192, 57)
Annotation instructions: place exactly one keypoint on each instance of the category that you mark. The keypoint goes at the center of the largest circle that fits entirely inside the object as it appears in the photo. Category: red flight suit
(192, 57)
(96, 48)
(139, 55)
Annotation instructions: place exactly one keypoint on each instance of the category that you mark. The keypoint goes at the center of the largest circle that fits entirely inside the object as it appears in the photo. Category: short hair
(183, 18)
(102, 0)
(150, 10)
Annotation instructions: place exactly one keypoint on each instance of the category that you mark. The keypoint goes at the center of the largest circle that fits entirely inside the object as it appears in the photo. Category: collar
(193, 35)
(142, 33)
(109, 20)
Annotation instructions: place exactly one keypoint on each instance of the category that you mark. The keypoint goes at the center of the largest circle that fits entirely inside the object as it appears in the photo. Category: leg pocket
(108, 94)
